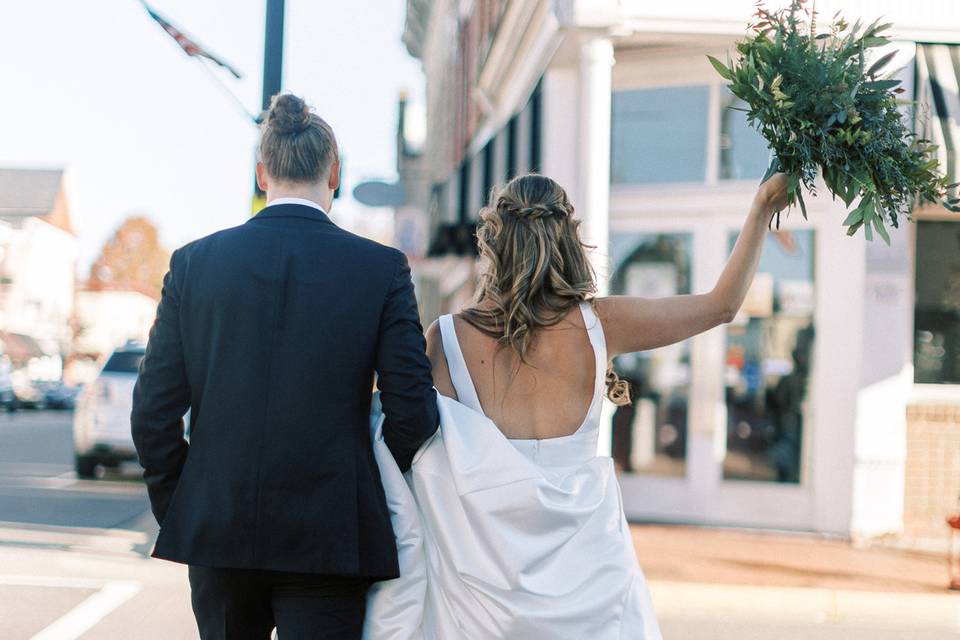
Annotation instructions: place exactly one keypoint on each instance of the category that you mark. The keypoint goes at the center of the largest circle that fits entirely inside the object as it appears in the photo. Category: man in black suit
(270, 333)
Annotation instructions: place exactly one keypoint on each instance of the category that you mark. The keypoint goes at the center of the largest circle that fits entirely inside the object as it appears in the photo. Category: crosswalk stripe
(88, 613)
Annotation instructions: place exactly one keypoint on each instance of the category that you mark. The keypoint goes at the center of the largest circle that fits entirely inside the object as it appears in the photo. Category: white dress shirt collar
(303, 201)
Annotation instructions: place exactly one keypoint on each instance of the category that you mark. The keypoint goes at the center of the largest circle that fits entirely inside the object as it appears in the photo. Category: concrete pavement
(779, 559)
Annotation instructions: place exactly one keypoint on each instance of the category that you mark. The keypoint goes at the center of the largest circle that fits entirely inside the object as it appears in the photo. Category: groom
(270, 333)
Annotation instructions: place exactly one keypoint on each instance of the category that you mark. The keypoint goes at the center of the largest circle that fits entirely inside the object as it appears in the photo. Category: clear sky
(99, 89)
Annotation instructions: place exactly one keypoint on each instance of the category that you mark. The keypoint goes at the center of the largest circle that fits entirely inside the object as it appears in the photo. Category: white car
(101, 422)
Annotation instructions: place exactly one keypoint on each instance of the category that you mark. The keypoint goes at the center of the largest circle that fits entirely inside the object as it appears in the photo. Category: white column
(560, 153)
(596, 85)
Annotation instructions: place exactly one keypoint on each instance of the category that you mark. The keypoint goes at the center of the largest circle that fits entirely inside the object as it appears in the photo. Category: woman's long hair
(534, 267)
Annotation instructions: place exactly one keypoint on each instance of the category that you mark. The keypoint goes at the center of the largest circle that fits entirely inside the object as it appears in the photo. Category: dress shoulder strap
(599, 343)
(459, 374)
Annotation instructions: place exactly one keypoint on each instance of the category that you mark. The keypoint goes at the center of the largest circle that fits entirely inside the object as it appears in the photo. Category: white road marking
(50, 581)
(111, 540)
(88, 613)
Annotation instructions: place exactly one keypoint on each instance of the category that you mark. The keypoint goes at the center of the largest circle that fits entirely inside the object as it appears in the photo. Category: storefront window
(936, 350)
(651, 435)
(768, 355)
(744, 153)
(659, 135)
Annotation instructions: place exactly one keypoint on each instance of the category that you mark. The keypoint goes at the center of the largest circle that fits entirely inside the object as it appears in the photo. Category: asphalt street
(74, 565)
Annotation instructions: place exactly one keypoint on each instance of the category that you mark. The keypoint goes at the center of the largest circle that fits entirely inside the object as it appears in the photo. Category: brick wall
(932, 472)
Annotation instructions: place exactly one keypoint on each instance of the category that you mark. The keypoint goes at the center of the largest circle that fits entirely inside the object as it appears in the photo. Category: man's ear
(334, 179)
(262, 177)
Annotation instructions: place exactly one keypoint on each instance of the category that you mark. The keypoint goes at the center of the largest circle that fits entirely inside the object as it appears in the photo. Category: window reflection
(769, 347)
(651, 435)
(744, 153)
(936, 352)
(659, 135)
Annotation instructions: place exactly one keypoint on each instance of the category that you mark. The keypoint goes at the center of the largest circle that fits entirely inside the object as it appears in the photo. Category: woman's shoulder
(434, 338)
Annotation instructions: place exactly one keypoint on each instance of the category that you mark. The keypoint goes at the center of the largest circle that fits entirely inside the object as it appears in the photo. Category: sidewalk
(733, 556)
(724, 574)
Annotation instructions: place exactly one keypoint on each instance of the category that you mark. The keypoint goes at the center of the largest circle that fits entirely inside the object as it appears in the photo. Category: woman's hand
(772, 194)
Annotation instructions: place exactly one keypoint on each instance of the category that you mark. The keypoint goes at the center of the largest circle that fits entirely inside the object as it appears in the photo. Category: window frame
(641, 69)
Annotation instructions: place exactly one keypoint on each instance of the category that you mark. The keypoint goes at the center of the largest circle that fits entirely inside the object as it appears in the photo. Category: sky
(99, 89)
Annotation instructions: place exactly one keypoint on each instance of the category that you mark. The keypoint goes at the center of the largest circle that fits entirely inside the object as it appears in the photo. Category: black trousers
(242, 604)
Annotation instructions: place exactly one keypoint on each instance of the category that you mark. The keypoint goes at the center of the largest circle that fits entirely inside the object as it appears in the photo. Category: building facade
(109, 318)
(38, 258)
(830, 403)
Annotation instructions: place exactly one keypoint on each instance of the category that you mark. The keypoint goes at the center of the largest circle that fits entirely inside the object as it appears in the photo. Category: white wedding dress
(502, 538)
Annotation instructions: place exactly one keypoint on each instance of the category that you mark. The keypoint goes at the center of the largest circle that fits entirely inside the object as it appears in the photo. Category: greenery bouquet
(823, 111)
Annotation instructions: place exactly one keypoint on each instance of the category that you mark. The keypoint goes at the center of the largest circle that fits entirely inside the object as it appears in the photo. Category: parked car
(101, 422)
(8, 399)
(27, 393)
(57, 395)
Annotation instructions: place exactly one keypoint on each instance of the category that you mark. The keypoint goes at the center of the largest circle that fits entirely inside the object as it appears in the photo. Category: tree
(132, 258)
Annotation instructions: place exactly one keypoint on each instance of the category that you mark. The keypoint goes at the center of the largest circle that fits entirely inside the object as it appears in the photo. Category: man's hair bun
(296, 145)
(288, 114)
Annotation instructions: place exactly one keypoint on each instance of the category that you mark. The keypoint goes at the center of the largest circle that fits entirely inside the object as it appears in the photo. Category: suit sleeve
(405, 379)
(161, 397)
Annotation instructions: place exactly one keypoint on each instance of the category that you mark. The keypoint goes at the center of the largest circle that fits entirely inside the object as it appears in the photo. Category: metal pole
(272, 51)
(272, 74)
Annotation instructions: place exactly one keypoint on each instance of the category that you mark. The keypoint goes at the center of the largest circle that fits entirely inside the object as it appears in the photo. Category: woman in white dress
(509, 525)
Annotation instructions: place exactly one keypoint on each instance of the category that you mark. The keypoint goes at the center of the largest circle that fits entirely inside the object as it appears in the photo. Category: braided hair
(534, 269)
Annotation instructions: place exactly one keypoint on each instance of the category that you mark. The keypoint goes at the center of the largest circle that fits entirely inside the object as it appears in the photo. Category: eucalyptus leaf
(881, 84)
(878, 225)
(881, 63)
(721, 68)
(853, 217)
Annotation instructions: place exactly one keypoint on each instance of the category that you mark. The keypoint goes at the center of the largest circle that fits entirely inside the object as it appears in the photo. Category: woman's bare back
(546, 397)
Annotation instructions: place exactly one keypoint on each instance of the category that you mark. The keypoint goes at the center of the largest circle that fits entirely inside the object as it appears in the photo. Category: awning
(19, 347)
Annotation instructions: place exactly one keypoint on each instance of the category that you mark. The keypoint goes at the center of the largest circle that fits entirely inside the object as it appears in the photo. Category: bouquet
(823, 111)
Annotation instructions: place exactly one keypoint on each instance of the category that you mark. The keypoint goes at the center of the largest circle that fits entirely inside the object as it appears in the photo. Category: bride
(509, 525)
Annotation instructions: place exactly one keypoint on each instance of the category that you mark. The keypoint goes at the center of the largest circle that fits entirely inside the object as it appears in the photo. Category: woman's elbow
(728, 313)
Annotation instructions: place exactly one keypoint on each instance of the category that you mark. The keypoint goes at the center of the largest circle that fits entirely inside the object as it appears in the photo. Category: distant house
(38, 258)
(109, 317)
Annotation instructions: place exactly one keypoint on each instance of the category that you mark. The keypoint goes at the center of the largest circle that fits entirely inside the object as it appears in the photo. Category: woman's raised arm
(637, 324)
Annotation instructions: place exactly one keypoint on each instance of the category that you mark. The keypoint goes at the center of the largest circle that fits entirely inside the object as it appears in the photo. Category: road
(74, 553)
(74, 565)
(38, 485)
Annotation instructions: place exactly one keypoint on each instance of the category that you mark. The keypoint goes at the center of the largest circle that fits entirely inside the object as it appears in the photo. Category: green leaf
(881, 84)
(771, 169)
(854, 227)
(803, 206)
(879, 64)
(721, 68)
(853, 217)
(878, 225)
(875, 42)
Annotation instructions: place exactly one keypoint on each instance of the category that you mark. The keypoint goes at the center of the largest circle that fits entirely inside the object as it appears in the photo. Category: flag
(189, 47)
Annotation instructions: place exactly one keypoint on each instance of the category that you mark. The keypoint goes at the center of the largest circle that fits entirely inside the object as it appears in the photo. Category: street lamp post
(272, 73)
(272, 51)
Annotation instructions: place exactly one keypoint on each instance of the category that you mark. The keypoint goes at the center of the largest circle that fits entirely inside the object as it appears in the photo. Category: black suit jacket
(270, 333)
